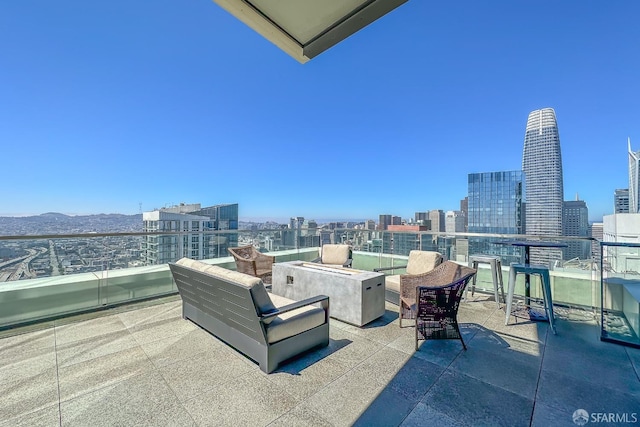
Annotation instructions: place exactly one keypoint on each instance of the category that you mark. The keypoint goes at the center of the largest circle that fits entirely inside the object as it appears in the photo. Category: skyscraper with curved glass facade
(542, 166)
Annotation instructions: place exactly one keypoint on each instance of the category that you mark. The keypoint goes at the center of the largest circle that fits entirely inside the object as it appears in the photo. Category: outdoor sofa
(236, 308)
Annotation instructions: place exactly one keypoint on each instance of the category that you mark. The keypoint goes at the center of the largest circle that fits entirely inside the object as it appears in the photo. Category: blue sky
(112, 106)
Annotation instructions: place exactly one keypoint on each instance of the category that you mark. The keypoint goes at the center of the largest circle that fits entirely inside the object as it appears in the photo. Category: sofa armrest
(389, 268)
(323, 299)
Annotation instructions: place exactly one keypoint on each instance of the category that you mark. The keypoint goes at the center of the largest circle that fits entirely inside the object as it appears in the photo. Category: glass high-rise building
(576, 223)
(542, 167)
(421, 216)
(464, 208)
(621, 200)
(384, 222)
(222, 218)
(634, 179)
(496, 206)
(190, 223)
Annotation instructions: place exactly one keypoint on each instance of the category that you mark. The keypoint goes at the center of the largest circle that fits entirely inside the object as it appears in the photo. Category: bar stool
(545, 280)
(496, 274)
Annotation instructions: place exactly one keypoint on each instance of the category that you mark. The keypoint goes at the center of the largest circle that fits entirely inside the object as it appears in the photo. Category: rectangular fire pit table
(355, 296)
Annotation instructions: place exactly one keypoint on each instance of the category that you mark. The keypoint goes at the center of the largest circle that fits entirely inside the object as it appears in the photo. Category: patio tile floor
(145, 365)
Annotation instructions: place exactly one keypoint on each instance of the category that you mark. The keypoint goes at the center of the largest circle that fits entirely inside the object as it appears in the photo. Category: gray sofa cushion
(293, 322)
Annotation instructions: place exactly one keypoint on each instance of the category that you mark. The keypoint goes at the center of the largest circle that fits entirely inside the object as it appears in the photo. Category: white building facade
(454, 222)
(634, 179)
(621, 228)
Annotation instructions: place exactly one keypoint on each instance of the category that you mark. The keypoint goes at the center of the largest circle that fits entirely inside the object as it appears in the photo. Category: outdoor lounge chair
(419, 262)
(236, 308)
(433, 299)
(253, 262)
(335, 255)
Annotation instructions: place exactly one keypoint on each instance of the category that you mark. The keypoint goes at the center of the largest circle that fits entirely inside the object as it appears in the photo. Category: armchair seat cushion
(392, 283)
(293, 322)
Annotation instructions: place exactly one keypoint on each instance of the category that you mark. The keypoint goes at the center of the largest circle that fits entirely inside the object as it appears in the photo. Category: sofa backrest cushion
(421, 262)
(335, 254)
(258, 292)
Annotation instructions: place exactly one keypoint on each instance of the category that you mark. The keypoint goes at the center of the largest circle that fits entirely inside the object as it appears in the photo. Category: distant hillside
(58, 223)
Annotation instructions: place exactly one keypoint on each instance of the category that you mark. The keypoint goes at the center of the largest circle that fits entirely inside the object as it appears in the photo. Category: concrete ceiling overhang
(306, 28)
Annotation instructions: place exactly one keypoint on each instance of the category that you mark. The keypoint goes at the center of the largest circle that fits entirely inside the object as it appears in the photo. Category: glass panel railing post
(103, 283)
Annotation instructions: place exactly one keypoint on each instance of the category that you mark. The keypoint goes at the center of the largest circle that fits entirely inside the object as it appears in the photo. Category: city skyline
(125, 107)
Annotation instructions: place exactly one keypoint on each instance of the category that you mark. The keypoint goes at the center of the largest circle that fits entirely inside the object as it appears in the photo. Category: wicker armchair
(433, 299)
(419, 262)
(250, 261)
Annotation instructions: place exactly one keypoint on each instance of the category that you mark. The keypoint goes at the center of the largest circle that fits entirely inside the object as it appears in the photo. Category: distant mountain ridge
(51, 214)
(58, 214)
(59, 223)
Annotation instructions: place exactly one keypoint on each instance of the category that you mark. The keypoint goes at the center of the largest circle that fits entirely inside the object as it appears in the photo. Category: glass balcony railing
(620, 293)
(48, 276)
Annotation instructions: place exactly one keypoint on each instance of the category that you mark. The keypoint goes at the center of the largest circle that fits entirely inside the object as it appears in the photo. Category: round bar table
(527, 244)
